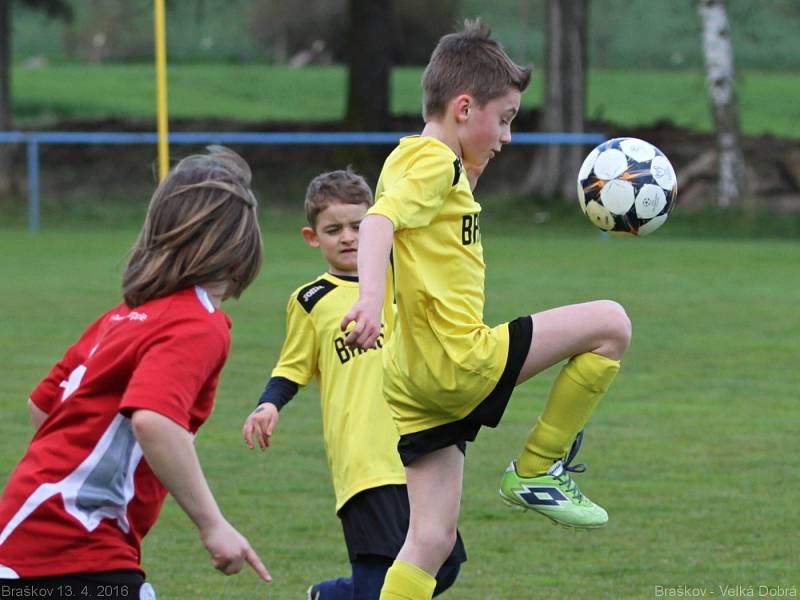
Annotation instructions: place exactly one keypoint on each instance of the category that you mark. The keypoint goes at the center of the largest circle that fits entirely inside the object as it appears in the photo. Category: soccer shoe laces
(573, 452)
(567, 483)
(563, 477)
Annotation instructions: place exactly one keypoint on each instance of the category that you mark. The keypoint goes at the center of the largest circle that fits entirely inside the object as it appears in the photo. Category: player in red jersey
(116, 416)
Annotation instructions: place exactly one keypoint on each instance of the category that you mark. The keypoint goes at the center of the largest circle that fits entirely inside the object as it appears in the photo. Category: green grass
(693, 452)
(251, 92)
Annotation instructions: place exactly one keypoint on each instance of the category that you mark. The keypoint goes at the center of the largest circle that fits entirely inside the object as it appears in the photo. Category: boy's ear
(461, 107)
(310, 236)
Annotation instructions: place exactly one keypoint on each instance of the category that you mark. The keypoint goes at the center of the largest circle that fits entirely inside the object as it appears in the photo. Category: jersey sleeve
(50, 390)
(183, 359)
(278, 391)
(417, 195)
(298, 359)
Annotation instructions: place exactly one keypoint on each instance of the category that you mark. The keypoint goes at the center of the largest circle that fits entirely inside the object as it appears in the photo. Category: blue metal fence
(34, 139)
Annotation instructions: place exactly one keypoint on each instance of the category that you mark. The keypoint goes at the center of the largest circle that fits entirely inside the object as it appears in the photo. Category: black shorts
(488, 413)
(375, 523)
(108, 585)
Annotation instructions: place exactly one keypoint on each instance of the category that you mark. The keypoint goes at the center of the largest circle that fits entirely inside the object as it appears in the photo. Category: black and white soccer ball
(627, 186)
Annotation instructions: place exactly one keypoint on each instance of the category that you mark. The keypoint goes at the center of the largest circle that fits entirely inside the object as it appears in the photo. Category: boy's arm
(263, 420)
(375, 237)
(279, 391)
(37, 414)
(170, 453)
(296, 365)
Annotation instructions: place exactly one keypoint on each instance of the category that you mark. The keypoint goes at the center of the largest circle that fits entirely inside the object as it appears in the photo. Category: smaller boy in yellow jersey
(447, 373)
(360, 437)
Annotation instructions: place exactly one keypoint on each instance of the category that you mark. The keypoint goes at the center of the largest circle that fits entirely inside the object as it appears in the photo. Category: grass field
(693, 453)
(253, 92)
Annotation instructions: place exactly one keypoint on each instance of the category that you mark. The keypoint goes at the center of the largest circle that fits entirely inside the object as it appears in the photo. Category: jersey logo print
(131, 316)
(457, 169)
(345, 353)
(470, 229)
(313, 293)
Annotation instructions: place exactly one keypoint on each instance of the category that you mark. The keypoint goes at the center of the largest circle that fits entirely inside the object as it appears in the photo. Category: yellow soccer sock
(573, 397)
(405, 581)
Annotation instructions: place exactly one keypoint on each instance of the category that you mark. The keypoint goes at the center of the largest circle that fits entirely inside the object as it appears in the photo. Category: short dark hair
(344, 185)
(471, 62)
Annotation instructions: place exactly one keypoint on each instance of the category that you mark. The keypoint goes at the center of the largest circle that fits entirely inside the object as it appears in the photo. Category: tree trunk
(720, 81)
(555, 166)
(5, 95)
(370, 67)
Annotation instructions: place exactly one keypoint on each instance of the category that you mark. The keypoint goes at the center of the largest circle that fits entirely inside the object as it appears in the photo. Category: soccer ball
(627, 186)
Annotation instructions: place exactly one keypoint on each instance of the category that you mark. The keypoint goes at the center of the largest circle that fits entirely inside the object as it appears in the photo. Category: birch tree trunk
(555, 166)
(720, 81)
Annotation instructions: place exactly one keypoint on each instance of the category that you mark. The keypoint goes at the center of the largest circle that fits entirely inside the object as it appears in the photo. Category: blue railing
(34, 139)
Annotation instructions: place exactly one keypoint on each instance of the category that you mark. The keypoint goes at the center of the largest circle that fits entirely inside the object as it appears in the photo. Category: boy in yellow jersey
(360, 437)
(446, 373)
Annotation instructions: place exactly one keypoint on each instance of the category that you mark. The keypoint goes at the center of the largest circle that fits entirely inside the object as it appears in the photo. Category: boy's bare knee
(436, 542)
(619, 326)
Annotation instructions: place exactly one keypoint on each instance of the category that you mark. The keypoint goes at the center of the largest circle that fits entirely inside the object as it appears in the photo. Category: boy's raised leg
(434, 496)
(576, 392)
(593, 336)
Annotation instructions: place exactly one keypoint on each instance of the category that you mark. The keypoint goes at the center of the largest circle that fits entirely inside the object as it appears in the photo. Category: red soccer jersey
(82, 497)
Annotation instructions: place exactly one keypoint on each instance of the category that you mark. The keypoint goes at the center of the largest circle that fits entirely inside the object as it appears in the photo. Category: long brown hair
(201, 227)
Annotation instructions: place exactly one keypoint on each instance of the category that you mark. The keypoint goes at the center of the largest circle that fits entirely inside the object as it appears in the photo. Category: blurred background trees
(554, 166)
(5, 92)
(373, 42)
(625, 34)
(369, 59)
(52, 9)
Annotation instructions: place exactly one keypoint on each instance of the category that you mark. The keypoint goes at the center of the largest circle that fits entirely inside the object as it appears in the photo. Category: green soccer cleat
(554, 494)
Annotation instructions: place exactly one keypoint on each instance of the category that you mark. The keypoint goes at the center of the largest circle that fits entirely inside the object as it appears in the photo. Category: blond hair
(344, 186)
(469, 62)
(201, 227)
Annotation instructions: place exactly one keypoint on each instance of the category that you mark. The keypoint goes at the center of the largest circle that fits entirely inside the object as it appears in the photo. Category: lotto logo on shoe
(542, 496)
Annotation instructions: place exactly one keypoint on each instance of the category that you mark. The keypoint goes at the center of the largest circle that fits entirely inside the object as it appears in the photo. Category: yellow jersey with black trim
(441, 360)
(360, 437)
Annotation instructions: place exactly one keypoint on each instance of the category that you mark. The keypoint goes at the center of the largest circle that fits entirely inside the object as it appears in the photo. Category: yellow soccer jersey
(441, 360)
(360, 437)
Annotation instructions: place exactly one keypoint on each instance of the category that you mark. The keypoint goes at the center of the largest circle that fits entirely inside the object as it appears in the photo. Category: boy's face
(484, 131)
(336, 234)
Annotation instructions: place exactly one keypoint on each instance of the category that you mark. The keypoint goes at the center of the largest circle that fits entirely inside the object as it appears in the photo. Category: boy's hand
(261, 423)
(367, 317)
(229, 550)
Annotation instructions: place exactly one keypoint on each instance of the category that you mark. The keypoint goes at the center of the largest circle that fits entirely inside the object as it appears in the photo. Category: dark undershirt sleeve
(279, 391)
